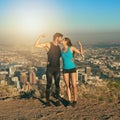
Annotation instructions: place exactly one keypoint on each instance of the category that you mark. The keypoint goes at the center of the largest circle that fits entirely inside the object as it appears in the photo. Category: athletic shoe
(74, 103)
(57, 103)
(48, 103)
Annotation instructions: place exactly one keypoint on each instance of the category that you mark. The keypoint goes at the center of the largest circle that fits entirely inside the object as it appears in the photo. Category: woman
(69, 67)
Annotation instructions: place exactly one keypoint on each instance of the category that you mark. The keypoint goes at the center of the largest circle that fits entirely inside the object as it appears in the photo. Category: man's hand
(43, 35)
(37, 43)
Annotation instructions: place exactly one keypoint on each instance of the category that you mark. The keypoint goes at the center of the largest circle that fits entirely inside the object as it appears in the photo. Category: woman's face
(64, 42)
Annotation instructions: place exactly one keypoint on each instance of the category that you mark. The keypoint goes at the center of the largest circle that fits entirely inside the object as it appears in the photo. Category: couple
(54, 52)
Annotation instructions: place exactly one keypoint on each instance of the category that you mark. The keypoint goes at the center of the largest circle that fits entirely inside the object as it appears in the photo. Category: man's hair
(57, 35)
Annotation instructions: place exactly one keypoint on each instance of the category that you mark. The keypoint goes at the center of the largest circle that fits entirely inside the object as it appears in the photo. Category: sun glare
(31, 25)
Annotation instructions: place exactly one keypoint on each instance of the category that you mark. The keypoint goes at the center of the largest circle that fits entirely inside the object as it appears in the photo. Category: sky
(88, 20)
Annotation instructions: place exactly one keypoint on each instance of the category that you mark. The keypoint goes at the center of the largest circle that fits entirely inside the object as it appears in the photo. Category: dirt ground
(35, 109)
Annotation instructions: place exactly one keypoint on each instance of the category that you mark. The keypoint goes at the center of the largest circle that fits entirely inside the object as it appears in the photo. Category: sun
(31, 25)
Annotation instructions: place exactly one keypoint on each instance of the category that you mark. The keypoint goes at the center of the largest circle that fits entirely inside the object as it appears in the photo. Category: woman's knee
(67, 87)
(74, 86)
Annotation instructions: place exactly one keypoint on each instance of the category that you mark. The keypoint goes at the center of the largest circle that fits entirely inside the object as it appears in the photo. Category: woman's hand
(81, 48)
(79, 43)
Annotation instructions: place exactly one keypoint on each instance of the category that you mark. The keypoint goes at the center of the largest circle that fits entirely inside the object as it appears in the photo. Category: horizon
(87, 20)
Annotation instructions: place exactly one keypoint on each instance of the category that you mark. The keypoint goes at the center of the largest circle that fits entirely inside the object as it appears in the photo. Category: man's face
(59, 40)
(63, 42)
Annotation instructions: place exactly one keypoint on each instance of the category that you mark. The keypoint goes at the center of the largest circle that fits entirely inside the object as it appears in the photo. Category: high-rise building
(32, 77)
(84, 77)
(79, 73)
(23, 77)
(16, 82)
(40, 71)
(80, 77)
(11, 70)
(88, 71)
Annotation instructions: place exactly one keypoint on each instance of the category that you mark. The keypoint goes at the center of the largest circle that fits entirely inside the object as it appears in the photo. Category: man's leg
(48, 85)
(57, 86)
(57, 81)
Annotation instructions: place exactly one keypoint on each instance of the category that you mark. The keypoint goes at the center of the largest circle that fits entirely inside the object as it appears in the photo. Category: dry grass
(93, 104)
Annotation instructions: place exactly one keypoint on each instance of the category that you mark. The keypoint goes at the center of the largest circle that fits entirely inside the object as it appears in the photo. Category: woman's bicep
(74, 49)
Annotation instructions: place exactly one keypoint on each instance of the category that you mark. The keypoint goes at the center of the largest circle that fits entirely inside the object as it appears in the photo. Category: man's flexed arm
(42, 45)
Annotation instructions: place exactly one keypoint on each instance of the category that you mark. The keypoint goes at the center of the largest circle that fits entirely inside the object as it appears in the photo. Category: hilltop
(99, 101)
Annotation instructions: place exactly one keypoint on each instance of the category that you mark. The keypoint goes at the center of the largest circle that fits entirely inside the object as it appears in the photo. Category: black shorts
(73, 70)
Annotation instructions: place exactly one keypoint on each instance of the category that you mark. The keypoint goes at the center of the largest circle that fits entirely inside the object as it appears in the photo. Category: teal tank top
(67, 58)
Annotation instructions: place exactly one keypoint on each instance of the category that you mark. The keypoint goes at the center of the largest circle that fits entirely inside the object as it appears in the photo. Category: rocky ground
(94, 103)
(35, 109)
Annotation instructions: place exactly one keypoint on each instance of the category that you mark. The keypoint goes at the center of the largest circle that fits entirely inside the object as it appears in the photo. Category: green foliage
(114, 84)
(110, 100)
(28, 94)
(89, 96)
(101, 98)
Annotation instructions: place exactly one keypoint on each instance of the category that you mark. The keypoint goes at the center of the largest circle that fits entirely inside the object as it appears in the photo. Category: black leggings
(52, 72)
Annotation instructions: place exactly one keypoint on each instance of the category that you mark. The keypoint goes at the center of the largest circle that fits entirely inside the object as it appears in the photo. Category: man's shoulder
(48, 44)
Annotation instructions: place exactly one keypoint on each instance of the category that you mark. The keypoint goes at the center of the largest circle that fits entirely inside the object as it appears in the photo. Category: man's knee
(48, 86)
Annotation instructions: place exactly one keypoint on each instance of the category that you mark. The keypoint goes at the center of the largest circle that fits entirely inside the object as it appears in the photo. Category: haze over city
(90, 21)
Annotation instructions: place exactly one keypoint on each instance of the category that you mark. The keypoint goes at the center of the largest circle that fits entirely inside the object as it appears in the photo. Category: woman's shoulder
(71, 47)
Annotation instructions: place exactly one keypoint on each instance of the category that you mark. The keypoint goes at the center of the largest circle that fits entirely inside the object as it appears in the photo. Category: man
(53, 66)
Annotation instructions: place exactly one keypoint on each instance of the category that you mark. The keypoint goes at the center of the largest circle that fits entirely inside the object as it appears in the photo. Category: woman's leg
(66, 79)
(73, 79)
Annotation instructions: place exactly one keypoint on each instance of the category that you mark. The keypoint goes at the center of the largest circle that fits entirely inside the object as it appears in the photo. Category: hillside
(95, 102)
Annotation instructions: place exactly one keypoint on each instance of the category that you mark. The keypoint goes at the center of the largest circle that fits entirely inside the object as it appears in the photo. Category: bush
(28, 94)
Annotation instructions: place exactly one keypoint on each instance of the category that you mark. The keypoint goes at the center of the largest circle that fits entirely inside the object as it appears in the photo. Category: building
(23, 77)
(11, 71)
(40, 71)
(3, 82)
(79, 74)
(88, 71)
(44, 77)
(16, 82)
(2, 76)
(32, 77)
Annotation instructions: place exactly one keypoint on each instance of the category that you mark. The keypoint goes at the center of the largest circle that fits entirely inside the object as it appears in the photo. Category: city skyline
(87, 20)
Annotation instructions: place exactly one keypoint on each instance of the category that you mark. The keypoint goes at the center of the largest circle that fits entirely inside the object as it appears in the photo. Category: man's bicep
(47, 46)
(43, 45)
